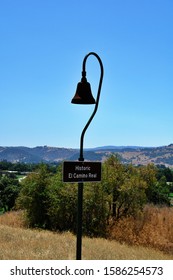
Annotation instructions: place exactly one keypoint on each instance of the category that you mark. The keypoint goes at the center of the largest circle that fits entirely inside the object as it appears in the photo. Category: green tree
(33, 197)
(9, 190)
(125, 187)
(112, 179)
(132, 196)
(62, 204)
(62, 209)
(157, 191)
(165, 171)
(95, 210)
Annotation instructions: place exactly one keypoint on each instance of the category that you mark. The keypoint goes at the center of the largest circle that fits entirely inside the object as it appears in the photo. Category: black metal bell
(83, 93)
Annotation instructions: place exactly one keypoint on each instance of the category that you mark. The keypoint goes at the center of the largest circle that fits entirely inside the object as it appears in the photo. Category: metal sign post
(81, 171)
(83, 95)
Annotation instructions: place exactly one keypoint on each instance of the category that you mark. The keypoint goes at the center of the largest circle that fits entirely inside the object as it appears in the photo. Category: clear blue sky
(42, 46)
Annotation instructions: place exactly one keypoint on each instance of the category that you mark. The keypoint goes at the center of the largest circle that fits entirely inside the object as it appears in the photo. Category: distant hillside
(129, 154)
(35, 155)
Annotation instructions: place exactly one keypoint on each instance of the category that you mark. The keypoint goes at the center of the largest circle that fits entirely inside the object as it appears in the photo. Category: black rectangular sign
(81, 171)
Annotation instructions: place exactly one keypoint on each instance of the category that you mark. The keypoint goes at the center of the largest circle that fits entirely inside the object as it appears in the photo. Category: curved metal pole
(81, 158)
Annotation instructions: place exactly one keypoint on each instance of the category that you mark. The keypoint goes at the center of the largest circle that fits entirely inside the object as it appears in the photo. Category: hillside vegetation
(152, 228)
(136, 155)
(131, 205)
(20, 243)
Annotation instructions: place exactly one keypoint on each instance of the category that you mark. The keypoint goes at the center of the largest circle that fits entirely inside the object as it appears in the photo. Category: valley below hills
(128, 154)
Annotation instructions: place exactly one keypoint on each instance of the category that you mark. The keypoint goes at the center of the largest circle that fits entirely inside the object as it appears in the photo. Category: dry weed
(154, 227)
(13, 219)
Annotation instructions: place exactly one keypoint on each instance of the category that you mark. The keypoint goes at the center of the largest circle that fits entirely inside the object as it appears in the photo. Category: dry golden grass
(13, 219)
(154, 228)
(19, 243)
(27, 244)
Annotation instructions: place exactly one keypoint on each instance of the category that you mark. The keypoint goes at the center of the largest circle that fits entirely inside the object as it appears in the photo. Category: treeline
(25, 167)
(9, 181)
(51, 204)
(30, 167)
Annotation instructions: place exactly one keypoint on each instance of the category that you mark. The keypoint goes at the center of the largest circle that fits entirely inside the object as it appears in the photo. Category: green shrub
(51, 204)
(62, 205)
(33, 198)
